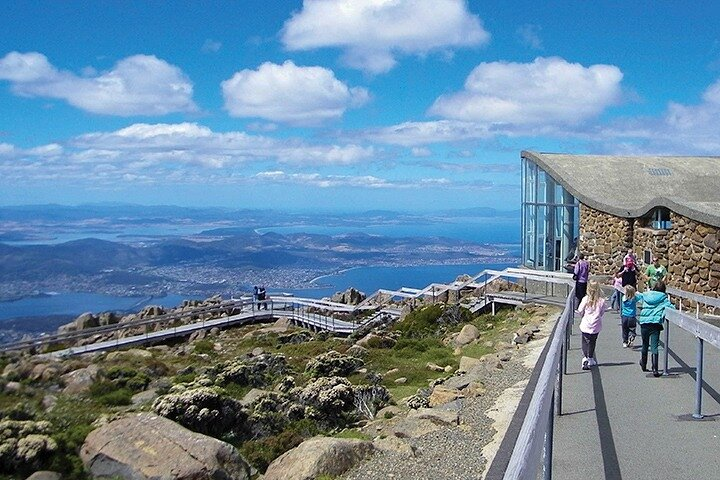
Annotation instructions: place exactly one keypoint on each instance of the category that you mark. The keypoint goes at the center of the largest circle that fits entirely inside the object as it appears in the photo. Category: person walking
(652, 316)
(580, 275)
(655, 273)
(592, 307)
(628, 274)
(628, 315)
(618, 290)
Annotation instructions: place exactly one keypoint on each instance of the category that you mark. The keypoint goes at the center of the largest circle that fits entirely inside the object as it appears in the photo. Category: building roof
(631, 186)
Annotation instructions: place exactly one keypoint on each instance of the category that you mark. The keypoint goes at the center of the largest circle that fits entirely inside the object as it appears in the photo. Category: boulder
(319, 456)
(467, 335)
(147, 446)
(350, 296)
(468, 363)
(45, 475)
(79, 380)
(442, 394)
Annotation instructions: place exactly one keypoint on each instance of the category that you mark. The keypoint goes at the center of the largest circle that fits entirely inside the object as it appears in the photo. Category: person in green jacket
(651, 319)
(655, 273)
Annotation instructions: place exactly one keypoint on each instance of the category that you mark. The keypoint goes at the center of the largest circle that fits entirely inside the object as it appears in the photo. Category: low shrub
(204, 347)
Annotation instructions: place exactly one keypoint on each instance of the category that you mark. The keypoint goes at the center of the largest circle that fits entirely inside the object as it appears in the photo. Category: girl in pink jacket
(592, 307)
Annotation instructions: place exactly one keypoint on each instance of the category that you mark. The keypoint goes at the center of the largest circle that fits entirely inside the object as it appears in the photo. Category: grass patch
(299, 354)
(204, 347)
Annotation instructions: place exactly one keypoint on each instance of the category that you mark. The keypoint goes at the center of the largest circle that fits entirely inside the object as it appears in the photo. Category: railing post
(558, 388)
(699, 381)
(548, 449)
(666, 370)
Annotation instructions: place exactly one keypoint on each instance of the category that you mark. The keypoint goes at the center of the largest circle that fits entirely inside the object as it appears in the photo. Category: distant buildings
(604, 205)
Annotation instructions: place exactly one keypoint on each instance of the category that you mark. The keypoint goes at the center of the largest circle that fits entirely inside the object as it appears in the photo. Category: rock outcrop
(147, 446)
(319, 456)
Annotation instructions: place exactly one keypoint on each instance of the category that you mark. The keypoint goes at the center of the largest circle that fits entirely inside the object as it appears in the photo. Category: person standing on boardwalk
(651, 321)
(592, 307)
(580, 275)
(655, 273)
(628, 315)
(628, 273)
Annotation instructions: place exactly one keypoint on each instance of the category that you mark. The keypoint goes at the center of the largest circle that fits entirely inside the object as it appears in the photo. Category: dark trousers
(588, 344)
(628, 327)
(580, 289)
(650, 337)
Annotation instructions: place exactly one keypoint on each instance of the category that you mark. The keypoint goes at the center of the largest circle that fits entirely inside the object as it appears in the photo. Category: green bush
(204, 347)
(260, 453)
(420, 323)
(107, 393)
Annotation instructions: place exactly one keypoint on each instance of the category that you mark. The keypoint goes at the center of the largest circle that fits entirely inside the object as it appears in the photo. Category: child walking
(628, 315)
(592, 307)
(616, 298)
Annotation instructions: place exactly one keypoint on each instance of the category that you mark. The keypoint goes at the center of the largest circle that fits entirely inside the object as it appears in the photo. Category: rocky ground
(420, 398)
(464, 449)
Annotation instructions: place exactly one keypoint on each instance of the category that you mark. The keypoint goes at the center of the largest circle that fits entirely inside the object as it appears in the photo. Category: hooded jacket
(653, 307)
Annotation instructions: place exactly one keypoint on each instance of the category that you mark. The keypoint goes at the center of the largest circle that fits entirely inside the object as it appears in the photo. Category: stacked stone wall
(654, 241)
(690, 250)
(604, 239)
(694, 258)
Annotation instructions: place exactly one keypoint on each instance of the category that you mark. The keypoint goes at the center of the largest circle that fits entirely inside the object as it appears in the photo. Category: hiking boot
(654, 361)
(592, 362)
(643, 362)
(585, 363)
(630, 341)
(625, 344)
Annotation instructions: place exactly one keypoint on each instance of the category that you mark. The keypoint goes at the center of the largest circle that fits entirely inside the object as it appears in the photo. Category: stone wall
(690, 249)
(604, 239)
(654, 241)
(694, 258)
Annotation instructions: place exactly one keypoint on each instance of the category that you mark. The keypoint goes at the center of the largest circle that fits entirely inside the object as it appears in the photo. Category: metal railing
(533, 447)
(703, 332)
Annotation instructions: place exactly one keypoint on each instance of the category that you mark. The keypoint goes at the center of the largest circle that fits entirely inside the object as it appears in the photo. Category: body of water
(78, 303)
(365, 279)
(370, 279)
(473, 229)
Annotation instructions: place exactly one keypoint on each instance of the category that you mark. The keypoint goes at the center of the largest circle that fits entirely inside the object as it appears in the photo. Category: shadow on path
(611, 465)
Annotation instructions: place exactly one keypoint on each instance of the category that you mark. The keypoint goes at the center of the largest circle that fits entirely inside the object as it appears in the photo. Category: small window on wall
(660, 219)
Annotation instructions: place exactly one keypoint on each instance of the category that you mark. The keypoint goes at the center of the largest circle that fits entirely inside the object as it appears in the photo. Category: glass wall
(550, 221)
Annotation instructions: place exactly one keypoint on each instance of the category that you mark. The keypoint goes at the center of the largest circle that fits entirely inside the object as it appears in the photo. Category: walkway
(619, 422)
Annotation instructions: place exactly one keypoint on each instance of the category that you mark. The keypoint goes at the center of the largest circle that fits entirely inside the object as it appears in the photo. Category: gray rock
(467, 335)
(319, 456)
(79, 380)
(45, 475)
(146, 446)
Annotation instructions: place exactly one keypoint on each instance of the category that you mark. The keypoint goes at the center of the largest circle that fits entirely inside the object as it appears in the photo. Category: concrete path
(619, 422)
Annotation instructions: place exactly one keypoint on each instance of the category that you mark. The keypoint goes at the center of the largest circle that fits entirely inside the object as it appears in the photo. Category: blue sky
(342, 105)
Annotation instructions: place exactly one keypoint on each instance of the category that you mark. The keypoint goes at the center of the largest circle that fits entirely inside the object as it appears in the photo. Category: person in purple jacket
(581, 274)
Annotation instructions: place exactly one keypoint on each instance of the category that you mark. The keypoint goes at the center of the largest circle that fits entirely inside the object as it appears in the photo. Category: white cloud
(422, 133)
(137, 85)
(681, 130)
(420, 152)
(548, 91)
(348, 181)
(291, 94)
(373, 32)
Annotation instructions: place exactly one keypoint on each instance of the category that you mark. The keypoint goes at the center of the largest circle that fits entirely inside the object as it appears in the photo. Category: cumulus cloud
(372, 33)
(136, 85)
(680, 130)
(167, 153)
(548, 91)
(290, 94)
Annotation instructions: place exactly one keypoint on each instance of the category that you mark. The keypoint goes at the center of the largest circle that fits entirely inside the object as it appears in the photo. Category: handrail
(534, 442)
(696, 297)
(702, 330)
